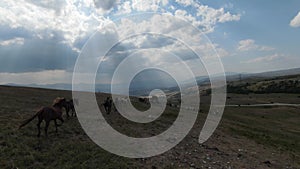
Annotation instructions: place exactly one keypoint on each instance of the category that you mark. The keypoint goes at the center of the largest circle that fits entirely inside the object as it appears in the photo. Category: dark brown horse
(108, 105)
(69, 106)
(47, 114)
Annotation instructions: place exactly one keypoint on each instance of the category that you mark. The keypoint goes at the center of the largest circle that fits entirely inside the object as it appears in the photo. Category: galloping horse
(47, 114)
(108, 105)
(69, 105)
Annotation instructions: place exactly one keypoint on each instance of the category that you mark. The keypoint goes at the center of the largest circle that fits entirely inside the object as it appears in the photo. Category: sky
(40, 41)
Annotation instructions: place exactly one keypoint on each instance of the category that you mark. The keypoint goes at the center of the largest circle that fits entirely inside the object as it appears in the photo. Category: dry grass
(246, 137)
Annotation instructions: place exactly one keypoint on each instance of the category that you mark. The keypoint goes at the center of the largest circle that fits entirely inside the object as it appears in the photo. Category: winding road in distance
(264, 105)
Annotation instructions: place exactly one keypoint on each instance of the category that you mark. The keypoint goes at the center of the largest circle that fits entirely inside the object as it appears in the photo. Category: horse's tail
(30, 119)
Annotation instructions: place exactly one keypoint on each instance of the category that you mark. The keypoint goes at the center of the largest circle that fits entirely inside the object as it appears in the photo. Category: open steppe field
(247, 137)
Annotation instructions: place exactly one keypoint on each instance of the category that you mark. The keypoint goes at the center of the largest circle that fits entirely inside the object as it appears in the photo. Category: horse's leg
(108, 109)
(61, 119)
(55, 122)
(73, 112)
(46, 128)
(114, 108)
(67, 111)
(39, 127)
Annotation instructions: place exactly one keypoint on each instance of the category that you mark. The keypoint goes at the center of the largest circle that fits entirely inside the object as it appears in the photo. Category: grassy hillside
(246, 137)
(285, 84)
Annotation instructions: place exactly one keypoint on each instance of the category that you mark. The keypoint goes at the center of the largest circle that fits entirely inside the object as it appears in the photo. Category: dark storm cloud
(6, 32)
(123, 49)
(36, 55)
(104, 4)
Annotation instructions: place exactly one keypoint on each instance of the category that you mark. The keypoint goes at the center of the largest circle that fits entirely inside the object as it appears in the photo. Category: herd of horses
(52, 113)
(55, 112)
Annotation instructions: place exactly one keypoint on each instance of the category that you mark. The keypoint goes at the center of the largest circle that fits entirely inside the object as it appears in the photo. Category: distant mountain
(206, 80)
(58, 86)
(146, 82)
(277, 73)
(269, 74)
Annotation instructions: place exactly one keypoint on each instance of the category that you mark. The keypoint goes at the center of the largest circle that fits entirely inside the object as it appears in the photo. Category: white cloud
(268, 58)
(206, 17)
(216, 15)
(77, 20)
(149, 5)
(71, 20)
(125, 8)
(185, 2)
(56, 5)
(168, 27)
(227, 17)
(266, 48)
(15, 41)
(246, 45)
(296, 21)
(249, 45)
(221, 51)
(71, 23)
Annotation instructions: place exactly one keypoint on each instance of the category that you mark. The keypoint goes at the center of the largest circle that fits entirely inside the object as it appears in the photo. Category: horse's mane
(57, 101)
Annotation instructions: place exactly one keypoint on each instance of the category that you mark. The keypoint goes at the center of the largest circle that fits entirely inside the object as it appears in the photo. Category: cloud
(216, 15)
(47, 36)
(250, 45)
(56, 5)
(185, 2)
(296, 21)
(105, 4)
(72, 21)
(42, 77)
(146, 43)
(76, 21)
(266, 48)
(125, 8)
(268, 58)
(246, 45)
(221, 52)
(170, 28)
(7, 33)
(206, 17)
(199, 15)
(36, 55)
(146, 5)
(15, 41)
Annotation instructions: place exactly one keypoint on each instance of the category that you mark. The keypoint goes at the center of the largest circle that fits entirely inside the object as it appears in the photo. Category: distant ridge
(268, 74)
(277, 73)
(140, 88)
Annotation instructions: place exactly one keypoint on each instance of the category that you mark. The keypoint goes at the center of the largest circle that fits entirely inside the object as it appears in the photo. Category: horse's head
(59, 102)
